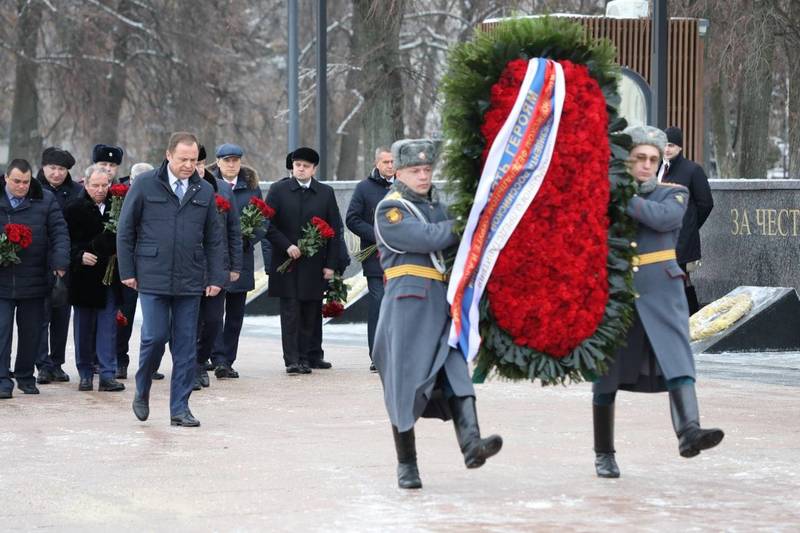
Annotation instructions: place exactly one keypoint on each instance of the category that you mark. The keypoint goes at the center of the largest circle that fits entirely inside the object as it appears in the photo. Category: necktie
(15, 202)
(179, 189)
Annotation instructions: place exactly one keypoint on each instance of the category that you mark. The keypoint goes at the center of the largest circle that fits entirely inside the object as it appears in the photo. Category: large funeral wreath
(560, 297)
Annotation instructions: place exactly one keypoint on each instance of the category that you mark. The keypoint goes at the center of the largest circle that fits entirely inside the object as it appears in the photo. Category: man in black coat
(54, 176)
(300, 289)
(169, 248)
(361, 220)
(95, 302)
(23, 286)
(682, 171)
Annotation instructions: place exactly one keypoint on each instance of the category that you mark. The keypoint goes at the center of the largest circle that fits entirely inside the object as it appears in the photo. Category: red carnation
(324, 228)
(122, 320)
(119, 189)
(262, 206)
(332, 309)
(223, 205)
(19, 234)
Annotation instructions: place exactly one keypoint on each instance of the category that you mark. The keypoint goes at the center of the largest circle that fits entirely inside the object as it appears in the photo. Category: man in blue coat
(54, 176)
(243, 181)
(170, 248)
(24, 285)
(360, 220)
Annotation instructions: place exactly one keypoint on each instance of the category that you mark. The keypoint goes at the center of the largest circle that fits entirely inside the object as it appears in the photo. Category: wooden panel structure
(632, 39)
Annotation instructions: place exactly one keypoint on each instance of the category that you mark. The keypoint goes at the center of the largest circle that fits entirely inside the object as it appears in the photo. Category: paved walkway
(315, 453)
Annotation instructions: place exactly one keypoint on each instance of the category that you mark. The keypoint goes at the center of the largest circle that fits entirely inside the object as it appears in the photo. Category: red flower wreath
(549, 287)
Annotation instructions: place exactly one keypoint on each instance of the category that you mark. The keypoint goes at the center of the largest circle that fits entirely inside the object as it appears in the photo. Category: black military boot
(407, 472)
(686, 421)
(604, 463)
(465, 419)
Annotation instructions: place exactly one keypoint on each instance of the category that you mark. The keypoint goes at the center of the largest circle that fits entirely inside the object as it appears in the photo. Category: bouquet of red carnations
(121, 319)
(117, 193)
(335, 297)
(254, 215)
(316, 233)
(14, 239)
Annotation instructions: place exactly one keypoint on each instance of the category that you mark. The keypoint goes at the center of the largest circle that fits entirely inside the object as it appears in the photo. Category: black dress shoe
(141, 408)
(158, 375)
(111, 385)
(59, 375)
(221, 372)
(85, 384)
(208, 366)
(28, 388)
(232, 373)
(204, 378)
(322, 364)
(372, 368)
(45, 376)
(122, 372)
(196, 384)
(5, 394)
(293, 369)
(305, 368)
(184, 419)
(606, 465)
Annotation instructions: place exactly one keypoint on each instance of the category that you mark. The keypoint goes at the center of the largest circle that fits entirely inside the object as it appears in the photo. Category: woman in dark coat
(656, 356)
(95, 303)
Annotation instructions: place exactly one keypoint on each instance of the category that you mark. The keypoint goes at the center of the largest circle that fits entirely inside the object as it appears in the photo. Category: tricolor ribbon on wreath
(512, 175)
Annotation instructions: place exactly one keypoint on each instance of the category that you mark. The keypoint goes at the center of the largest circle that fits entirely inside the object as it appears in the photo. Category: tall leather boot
(465, 419)
(604, 463)
(407, 472)
(686, 421)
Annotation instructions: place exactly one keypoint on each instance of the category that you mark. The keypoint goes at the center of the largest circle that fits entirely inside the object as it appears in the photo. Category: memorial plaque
(752, 237)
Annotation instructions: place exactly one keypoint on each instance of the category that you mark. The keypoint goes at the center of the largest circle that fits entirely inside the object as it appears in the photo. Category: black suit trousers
(299, 335)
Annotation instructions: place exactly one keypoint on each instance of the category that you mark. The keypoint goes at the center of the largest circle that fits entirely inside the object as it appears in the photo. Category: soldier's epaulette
(394, 195)
(668, 184)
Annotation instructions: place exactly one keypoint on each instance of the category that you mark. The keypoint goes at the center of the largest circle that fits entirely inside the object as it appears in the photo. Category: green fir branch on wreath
(473, 68)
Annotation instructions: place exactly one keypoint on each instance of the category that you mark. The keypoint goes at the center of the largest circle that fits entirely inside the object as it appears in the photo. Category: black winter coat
(64, 193)
(170, 247)
(247, 186)
(294, 206)
(689, 174)
(86, 234)
(361, 216)
(49, 249)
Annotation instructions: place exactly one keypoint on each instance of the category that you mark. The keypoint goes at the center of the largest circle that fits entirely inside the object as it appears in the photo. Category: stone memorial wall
(752, 237)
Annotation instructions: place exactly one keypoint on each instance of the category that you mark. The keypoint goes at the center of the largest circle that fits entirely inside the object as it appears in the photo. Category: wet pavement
(315, 453)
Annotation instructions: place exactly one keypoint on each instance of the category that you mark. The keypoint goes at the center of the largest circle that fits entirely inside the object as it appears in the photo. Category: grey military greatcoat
(411, 350)
(657, 347)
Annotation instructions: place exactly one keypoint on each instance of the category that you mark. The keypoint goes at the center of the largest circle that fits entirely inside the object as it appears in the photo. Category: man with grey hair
(360, 220)
(421, 374)
(129, 299)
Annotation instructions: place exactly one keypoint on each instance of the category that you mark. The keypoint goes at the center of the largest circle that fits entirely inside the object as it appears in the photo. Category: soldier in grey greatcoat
(421, 374)
(656, 357)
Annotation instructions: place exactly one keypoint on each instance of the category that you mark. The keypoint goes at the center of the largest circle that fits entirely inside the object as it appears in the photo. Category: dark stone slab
(751, 238)
(772, 324)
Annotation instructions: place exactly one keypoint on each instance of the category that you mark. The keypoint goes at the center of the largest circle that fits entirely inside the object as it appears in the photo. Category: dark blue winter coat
(361, 216)
(167, 245)
(49, 248)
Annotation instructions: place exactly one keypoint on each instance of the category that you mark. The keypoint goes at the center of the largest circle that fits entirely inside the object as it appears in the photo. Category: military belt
(653, 257)
(414, 270)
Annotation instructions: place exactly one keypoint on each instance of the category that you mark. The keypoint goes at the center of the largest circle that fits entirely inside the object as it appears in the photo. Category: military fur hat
(647, 135)
(57, 156)
(413, 152)
(105, 152)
